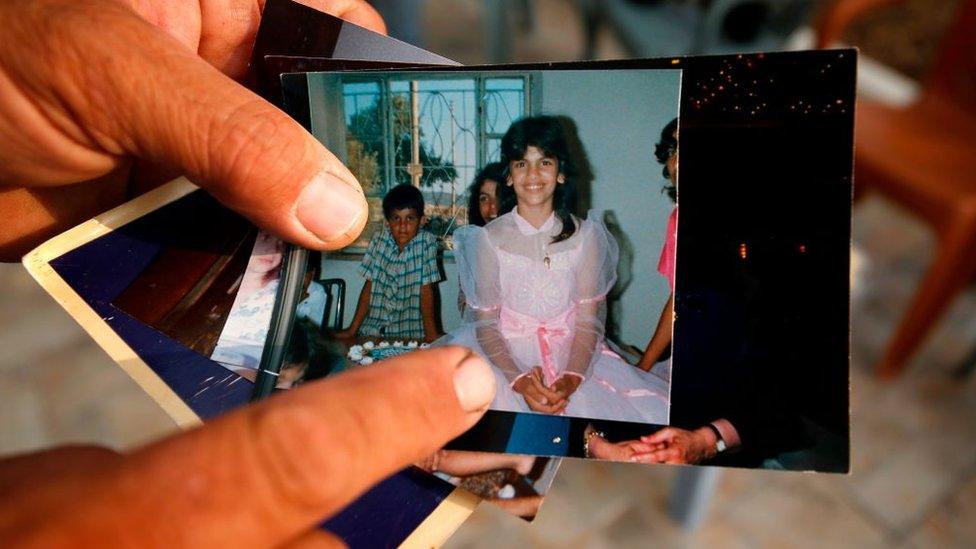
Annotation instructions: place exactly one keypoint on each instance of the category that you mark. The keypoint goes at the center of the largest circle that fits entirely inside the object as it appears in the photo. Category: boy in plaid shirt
(400, 267)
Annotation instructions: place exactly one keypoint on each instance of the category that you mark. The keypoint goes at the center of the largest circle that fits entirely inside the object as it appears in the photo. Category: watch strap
(720, 445)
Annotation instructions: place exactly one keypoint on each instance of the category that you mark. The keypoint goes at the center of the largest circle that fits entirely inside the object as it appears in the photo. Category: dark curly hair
(662, 151)
(401, 197)
(545, 133)
(494, 171)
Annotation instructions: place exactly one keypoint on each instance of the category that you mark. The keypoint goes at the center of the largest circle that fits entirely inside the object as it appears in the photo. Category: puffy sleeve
(595, 275)
(479, 272)
(665, 264)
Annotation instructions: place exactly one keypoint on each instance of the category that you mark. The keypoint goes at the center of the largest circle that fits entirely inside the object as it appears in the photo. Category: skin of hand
(627, 450)
(90, 88)
(525, 506)
(539, 397)
(87, 89)
(262, 476)
(679, 446)
(566, 385)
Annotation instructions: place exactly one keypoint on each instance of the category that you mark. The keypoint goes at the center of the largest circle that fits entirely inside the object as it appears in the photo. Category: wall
(619, 116)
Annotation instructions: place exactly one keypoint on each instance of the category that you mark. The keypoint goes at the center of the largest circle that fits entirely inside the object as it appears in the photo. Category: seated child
(400, 267)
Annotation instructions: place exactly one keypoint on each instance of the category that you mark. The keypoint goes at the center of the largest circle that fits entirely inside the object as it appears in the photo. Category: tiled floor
(914, 450)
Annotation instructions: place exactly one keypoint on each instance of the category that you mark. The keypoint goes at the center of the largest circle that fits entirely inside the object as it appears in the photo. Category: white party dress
(529, 302)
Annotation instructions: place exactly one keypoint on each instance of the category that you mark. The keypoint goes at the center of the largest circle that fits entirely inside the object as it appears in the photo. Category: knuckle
(291, 443)
(252, 142)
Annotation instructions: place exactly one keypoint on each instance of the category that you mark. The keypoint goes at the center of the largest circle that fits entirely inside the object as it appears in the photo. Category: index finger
(267, 473)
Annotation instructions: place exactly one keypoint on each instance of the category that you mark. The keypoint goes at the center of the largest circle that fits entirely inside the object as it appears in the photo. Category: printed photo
(531, 217)
(243, 335)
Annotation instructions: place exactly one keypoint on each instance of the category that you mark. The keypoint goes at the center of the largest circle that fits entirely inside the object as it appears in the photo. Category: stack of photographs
(613, 326)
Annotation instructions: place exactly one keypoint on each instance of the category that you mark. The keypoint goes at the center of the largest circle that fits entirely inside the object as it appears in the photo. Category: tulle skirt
(613, 389)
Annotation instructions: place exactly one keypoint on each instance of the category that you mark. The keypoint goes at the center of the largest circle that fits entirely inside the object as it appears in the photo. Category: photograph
(242, 338)
(737, 354)
(503, 220)
(187, 266)
(536, 222)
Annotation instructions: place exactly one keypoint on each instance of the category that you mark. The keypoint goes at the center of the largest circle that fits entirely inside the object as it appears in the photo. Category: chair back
(953, 74)
(335, 298)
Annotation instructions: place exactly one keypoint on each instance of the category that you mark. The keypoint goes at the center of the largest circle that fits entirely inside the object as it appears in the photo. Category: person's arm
(362, 309)
(596, 446)
(428, 312)
(596, 274)
(680, 446)
(661, 339)
(265, 475)
(460, 463)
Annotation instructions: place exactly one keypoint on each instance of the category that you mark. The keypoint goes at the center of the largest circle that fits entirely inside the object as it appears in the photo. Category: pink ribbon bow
(514, 323)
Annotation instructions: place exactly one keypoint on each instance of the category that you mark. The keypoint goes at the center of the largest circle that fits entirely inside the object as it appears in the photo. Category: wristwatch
(720, 445)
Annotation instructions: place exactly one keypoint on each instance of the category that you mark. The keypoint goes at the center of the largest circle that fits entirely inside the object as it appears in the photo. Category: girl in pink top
(667, 154)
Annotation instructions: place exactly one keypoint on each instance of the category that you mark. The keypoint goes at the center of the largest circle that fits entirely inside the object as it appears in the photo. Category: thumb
(264, 475)
(169, 106)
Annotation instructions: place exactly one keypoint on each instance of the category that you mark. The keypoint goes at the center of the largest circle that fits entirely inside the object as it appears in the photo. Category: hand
(261, 476)
(566, 385)
(678, 446)
(90, 88)
(539, 397)
(627, 450)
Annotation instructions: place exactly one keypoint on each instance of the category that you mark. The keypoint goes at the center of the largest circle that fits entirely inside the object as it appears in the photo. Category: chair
(335, 298)
(665, 28)
(922, 157)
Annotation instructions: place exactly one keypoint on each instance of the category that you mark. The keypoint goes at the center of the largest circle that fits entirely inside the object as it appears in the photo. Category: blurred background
(913, 410)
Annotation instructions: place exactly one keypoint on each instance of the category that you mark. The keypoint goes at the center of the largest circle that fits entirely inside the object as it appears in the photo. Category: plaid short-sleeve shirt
(394, 301)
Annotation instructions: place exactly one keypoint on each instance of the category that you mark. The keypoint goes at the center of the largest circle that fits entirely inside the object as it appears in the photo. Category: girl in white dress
(535, 281)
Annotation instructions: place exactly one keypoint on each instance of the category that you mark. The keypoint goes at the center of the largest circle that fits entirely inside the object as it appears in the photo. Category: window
(457, 121)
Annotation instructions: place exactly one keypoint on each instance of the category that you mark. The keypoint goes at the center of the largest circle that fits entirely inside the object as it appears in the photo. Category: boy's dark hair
(662, 151)
(547, 134)
(494, 171)
(401, 197)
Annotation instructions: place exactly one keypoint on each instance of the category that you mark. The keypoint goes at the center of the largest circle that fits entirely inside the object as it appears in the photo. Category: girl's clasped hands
(546, 399)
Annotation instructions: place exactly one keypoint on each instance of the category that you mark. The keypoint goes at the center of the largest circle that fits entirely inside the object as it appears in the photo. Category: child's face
(535, 177)
(404, 224)
(673, 161)
(267, 253)
(488, 200)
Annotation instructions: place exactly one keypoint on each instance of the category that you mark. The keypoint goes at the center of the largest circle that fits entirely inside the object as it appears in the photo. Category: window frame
(385, 83)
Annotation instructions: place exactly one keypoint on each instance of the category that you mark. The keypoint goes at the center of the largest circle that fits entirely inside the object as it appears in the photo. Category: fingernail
(330, 208)
(474, 384)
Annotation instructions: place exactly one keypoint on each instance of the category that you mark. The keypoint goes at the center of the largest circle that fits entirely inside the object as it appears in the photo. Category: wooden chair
(924, 158)
(689, 27)
(333, 317)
